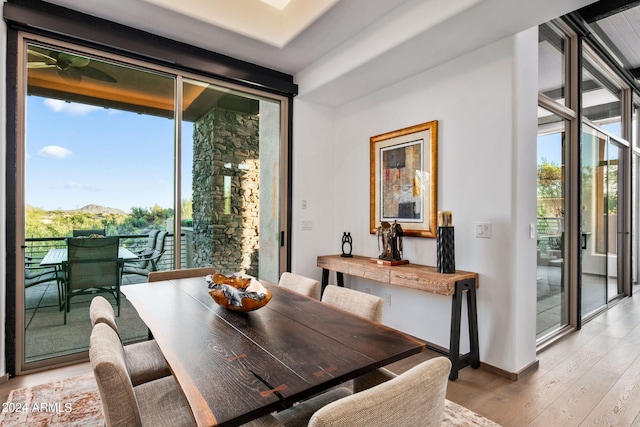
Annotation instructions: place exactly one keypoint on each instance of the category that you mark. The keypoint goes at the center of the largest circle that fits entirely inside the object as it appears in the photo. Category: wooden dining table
(235, 367)
(58, 256)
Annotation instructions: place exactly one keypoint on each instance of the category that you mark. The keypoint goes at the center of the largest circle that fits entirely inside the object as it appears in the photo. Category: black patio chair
(92, 266)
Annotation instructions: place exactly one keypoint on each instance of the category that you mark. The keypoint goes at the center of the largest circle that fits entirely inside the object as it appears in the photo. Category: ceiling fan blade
(73, 60)
(42, 55)
(40, 65)
(94, 73)
(70, 74)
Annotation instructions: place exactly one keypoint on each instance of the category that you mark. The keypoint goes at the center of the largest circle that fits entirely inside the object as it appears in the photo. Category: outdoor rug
(75, 402)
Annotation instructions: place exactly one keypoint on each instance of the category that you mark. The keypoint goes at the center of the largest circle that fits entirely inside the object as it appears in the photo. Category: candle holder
(446, 250)
(346, 241)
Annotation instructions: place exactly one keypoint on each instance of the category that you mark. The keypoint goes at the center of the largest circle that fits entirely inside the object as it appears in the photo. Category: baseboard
(4, 378)
(513, 376)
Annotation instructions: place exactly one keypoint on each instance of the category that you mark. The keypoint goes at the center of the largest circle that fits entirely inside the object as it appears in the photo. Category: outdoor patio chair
(147, 251)
(92, 266)
(36, 275)
(87, 233)
(147, 264)
(302, 285)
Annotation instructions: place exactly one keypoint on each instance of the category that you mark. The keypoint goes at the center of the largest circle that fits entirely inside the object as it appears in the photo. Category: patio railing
(37, 247)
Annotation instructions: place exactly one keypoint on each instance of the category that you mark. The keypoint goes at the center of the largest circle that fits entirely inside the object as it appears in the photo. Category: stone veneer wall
(226, 144)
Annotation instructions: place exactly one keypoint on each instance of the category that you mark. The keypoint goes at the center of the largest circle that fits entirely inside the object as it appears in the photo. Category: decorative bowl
(237, 293)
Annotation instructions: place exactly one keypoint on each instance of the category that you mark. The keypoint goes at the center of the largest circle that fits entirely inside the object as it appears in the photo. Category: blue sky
(79, 154)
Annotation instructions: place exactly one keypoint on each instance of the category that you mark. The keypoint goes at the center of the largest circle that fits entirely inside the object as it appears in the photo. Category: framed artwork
(404, 179)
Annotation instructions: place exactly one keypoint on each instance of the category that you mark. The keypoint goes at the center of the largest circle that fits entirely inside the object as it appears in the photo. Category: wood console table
(426, 279)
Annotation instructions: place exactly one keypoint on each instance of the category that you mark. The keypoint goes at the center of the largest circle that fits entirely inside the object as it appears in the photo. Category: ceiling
(337, 50)
(616, 24)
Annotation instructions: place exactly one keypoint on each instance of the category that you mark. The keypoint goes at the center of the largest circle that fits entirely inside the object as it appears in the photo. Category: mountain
(97, 209)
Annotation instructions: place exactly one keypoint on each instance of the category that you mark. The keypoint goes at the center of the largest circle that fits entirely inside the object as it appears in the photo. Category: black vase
(446, 250)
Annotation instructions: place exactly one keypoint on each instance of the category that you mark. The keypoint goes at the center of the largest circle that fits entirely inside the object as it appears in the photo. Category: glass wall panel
(601, 184)
(230, 180)
(601, 97)
(98, 156)
(552, 70)
(552, 308)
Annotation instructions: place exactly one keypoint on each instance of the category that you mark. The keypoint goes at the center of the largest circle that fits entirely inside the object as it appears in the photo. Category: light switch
(483, 230)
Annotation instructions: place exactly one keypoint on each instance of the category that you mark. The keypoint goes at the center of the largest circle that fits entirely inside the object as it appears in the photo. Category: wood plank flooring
(591, 378)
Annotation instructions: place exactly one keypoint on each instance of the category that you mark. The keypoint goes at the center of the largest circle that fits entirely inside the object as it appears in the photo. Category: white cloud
(71, 108)
(55, 151)
(76, 186)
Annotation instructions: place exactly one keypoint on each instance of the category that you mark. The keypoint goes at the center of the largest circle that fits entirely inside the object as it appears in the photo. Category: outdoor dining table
(57, 256)
(235, 367)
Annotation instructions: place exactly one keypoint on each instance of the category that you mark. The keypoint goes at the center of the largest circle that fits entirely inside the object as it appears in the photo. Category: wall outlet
(387, 299)
(307, 225)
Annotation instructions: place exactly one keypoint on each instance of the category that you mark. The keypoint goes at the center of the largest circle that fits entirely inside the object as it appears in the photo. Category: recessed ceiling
(275, 22)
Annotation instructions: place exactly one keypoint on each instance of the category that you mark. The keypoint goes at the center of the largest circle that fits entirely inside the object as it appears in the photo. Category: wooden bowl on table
(238, 293)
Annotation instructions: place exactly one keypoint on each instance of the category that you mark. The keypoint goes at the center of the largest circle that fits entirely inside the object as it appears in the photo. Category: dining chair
(92, 266)
(356, 302)
(414, 398)
(145, 361)
(300, 284)
(87, 233)
(155, 403)
(150, 246)
(156, 276)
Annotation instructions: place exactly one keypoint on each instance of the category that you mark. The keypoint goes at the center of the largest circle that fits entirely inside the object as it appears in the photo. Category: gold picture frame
(404, 179)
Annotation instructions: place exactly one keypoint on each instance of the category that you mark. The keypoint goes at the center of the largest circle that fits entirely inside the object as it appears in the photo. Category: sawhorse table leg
(473, 357)
(325, 279)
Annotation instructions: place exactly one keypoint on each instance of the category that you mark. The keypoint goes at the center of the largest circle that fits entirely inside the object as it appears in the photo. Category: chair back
(151, 243)
(100, 311)
(160, 240)
(156, 276)
(107, 358)
(93, 263)
(302, 285)
(86, 233)
(356, 302)
(415, 398)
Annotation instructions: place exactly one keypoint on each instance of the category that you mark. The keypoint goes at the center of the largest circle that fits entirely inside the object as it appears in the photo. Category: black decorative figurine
(346, 240)
(445, 244)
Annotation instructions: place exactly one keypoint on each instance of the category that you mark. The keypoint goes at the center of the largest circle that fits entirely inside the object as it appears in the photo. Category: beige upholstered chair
(302, 285)
(359, 303)
(156, 276)
(414, 398)
(156, 403)
(144, 360)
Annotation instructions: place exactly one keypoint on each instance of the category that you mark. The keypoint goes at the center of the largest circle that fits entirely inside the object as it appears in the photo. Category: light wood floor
(590, 378)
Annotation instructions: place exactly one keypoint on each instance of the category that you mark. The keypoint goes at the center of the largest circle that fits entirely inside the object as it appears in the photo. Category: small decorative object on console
(346, 240)
(391, 237)
(238, 293)
(445, 244)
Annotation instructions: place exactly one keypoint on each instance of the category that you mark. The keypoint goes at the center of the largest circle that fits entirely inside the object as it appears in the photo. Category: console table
(426, 279)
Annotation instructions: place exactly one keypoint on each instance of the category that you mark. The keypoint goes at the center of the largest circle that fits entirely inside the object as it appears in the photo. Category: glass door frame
(21, 40)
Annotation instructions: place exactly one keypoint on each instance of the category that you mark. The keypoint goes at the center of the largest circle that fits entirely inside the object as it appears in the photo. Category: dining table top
(57, 256)
(235, 367)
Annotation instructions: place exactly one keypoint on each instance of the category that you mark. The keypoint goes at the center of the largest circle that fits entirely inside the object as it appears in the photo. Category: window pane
(230, 169)
(552, 60)
(551, 291)
(601, 98)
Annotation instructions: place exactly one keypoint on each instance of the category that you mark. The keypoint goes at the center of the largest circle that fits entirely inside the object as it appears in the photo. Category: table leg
(340, 279)
(325, 280)
(473, 357)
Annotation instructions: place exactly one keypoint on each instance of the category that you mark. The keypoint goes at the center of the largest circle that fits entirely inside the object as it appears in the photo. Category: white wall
(3, 197)
(485, 102)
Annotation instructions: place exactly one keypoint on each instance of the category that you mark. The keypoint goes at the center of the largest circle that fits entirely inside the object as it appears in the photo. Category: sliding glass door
(183, 171)
(602, 220)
